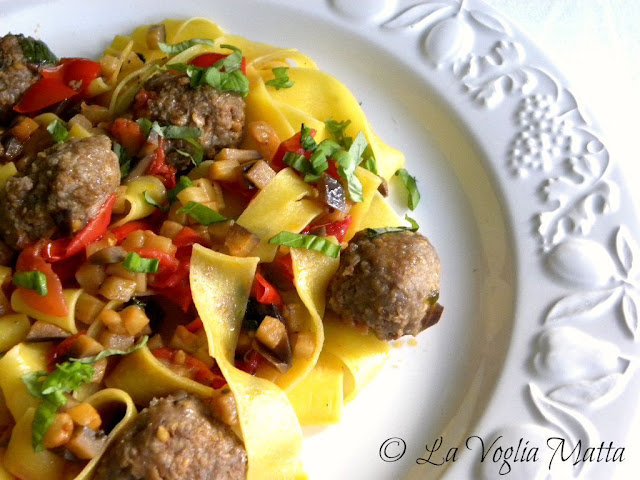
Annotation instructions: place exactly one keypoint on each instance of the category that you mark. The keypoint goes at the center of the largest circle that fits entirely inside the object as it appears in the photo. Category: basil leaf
(33, 280)
(137, 264)
(225, 75)
(36, 51)
(198, 151)
(182, 46)
(412, 188)
(183, 182)
(369, 160)
(310, 242)
(231, 62)
(149, 199)
(337, 131)
(374, 232)
(58, 131)
(51, 387)
(124, 159)
(112, 352)
(202, 214)
(298, 162)
(306, 140)
(175, 131)
(145, 125)
(347, 163)
(281, 78)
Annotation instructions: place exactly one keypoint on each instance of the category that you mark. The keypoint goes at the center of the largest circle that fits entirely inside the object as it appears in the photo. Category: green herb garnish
(124, 159)
(310, 242)
(36, 51)
(58, 131)
(202, 214)
(51, 388)
(112, 352)
(374, 232)
(151, 201)
(137, 264)
(281, 78)
(183, 182)
(412, 188)
(33, 280)
(224, 75)
(176, 48)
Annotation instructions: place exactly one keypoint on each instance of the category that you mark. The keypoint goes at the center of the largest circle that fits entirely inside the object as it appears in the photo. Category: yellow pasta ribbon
(159, 381)
(282, 199)
(13, 329)
(220, 286)
(22, 359)
(68, 322)
(135, 205)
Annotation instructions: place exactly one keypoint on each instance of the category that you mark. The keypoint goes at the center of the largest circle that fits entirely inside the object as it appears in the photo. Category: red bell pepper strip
(264, 292)
(43, 93)
(187, 237)
(59, 351)
(128, 134)
(195, 325)
(207, 60)
(72, 77)
(51, 304)
(250, 362)
(285, 265)
(123, 231)
(63, 248)
(336, 229)
(159, 166)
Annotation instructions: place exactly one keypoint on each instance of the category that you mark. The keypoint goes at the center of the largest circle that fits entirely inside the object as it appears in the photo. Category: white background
(596, 45)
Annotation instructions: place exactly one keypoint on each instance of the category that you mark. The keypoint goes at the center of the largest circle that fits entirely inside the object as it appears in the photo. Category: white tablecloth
(596, 46)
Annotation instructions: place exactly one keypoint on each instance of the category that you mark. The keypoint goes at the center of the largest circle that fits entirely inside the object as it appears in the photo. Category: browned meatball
(388, 283)
(60, 191)
(219, 115)
(17, 73)
(175, 439)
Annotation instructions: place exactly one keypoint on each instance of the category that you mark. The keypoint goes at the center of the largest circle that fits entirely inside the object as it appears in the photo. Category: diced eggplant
(332, 193)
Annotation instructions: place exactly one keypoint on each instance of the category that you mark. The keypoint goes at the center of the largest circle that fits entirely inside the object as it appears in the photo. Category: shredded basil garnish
(337, 131)
(374, 232)
(224, 75)
(183, 182)
(36, 51)
(412, 188)
(58, 131)
(281, 78)
(150, 200)
(310, 242)
(51, 388)
(137, 264)
(124, 159)
(112, 352)
(33, 280)
(202, 214)
(174, 49)
(145, 125)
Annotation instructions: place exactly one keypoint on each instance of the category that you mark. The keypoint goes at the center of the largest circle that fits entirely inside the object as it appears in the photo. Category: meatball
(388, 283)
(17, 73)
(175, 438)
(219, 115)
(60, 190)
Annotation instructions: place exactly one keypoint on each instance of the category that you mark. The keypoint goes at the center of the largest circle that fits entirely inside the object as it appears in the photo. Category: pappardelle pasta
(196, 257)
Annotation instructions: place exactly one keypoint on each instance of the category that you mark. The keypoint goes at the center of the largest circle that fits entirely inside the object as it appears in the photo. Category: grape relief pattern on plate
(556, 150)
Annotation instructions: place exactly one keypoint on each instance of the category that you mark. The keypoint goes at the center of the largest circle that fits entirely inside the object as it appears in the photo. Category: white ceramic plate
(519, 196)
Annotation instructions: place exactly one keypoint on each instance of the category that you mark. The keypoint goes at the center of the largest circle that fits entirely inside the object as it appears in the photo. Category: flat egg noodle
(220, 286)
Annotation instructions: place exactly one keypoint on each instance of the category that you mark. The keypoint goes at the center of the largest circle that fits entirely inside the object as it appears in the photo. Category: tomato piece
(336, 229)
(128, 134)
(285, 264)
(51, 304)
(195, 325)
(159, 166)
(165, 259)
(264, 292)
(207, 60)
(44, 93)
